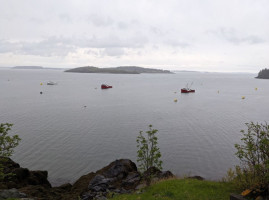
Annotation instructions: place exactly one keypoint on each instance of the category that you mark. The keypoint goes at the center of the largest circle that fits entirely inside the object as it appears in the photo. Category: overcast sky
(208, 35)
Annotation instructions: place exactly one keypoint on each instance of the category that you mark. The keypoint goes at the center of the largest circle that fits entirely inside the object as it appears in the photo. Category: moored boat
(187, 89)
(104, 86)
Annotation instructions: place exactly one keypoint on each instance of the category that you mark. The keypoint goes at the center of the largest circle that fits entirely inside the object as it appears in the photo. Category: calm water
(196, 134)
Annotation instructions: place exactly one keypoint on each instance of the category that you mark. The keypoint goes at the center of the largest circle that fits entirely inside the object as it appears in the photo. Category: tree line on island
(118, 70)
(263, 74)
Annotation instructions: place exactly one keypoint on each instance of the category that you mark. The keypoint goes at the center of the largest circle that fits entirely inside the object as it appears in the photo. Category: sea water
(74, 127)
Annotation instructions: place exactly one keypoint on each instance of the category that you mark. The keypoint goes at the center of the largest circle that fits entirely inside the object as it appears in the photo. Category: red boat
(187, 90)
(104, 86)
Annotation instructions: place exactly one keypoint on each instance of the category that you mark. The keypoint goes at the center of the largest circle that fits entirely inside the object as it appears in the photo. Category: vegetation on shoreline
(7, 145)
(190, 189)
(263, 74)
(148, 154)
(117, 70)
(253, 172)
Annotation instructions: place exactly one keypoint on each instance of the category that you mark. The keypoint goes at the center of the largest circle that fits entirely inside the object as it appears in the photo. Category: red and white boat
(104, 86)
(187, 89)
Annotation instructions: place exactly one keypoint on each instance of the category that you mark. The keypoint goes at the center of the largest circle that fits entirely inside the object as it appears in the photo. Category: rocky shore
(119, 177)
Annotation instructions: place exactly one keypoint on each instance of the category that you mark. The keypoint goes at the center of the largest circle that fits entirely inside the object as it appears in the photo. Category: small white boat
(51, 83)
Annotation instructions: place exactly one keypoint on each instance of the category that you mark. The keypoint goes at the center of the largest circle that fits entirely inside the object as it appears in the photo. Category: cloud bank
(197, 35)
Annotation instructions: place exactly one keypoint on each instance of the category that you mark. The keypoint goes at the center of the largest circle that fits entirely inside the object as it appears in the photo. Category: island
(118, 70)
(263, 74)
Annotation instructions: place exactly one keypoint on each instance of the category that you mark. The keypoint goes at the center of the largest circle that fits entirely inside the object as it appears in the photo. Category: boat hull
(106, 86)
(187, 91)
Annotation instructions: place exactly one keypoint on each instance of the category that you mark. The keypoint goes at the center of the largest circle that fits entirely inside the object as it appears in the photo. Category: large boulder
(120, 176)
(11, 193)
(21, 177)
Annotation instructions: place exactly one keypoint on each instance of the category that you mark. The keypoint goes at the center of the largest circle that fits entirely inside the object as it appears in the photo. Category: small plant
(148, 154)
(253, 173)
(7, 145)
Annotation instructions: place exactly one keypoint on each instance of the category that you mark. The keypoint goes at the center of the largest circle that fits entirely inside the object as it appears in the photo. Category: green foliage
(253, 173)
(7, 145)
(148, 154)
(190, 189)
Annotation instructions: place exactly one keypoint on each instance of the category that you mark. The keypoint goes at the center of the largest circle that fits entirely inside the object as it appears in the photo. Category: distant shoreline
(119, 70)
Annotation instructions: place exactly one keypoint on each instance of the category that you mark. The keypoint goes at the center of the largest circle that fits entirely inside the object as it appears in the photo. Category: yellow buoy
(41, 83)
(243, 97)
(175, 100)
(256, 88)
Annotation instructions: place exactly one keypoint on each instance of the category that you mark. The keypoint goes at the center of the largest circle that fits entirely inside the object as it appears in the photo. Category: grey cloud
(48, 47)
(100, 21)
(65, 17)
(114, 51)
(231, 35)
(156, 31)
(116, 41)
(253, 39)
(59, 46)
(38, 20)
(122, 25)
(6, 46)
(176, 43)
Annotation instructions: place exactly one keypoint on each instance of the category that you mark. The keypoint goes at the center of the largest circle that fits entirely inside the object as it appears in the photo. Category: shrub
(7, 144)
(148, 154)
(253, 172)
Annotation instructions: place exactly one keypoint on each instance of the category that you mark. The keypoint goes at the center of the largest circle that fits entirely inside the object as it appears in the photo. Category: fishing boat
(105, 86)
(187, 89)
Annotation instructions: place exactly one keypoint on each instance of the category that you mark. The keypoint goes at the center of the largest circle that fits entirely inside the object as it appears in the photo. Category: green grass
(183, 189)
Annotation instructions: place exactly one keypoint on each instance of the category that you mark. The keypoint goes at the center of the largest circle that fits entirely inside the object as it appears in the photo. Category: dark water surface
(196, 134)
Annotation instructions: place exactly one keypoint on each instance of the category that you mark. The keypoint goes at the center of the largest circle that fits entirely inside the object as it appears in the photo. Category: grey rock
(99, 188)
(131, 179)
(120, 168)
(166, 174)
(101, 198)
(96, 180)
(11, 193)
(99, 181)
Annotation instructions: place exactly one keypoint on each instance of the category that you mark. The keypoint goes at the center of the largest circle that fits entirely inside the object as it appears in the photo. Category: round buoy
(256, 88)
(175, 100)
(41, 92)
(243, 97)
(41, 83)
